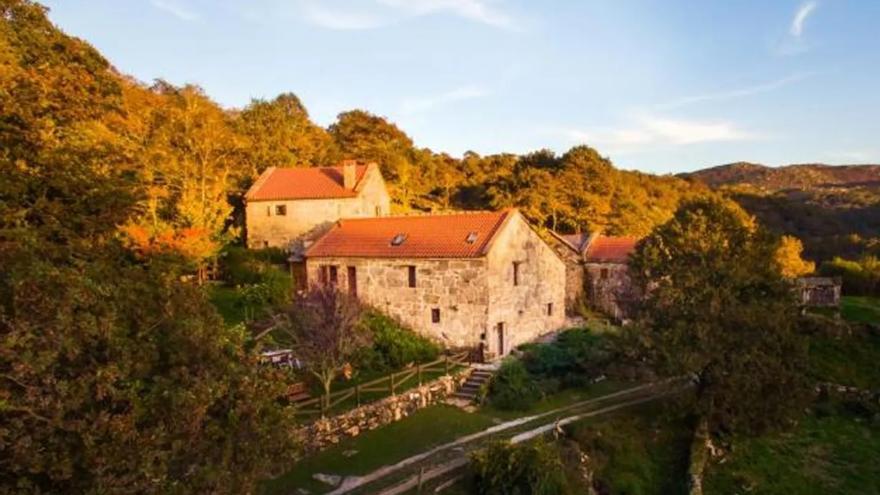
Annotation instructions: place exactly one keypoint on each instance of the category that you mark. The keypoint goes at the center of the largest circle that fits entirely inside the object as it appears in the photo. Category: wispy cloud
(800, 17)
(423, 104)
(343, 20)
(794, 41)
(734, 93)
(651, 132)
(176, 8)
(348, 15)
(476, 10)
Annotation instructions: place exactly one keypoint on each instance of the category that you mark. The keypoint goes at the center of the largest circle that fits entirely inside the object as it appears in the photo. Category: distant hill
(834, 209)
(801, 176)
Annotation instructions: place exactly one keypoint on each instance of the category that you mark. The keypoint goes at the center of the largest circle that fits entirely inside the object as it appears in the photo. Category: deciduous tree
(718, 307)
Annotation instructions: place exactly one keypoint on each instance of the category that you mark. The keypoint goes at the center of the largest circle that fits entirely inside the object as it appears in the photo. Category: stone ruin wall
(328, 431)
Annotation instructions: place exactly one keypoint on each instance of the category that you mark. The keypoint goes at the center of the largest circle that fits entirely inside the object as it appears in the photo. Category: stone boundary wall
(869, 399)
(328, 431)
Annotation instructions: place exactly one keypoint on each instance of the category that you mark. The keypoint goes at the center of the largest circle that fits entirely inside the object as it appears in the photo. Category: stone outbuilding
(819, 292)
(479, 279)
(286, 205)
(597, 273)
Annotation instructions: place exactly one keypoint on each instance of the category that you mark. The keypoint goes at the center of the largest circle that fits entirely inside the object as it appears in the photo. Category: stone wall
(536, 304)
(574, 275)
(266, 229)
(455, 287)
(610, 289)
(329, 431)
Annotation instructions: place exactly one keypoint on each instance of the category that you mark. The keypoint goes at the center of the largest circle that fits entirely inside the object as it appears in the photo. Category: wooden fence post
(357, 394)
(419, 373)
(446, 364)
(392, 383)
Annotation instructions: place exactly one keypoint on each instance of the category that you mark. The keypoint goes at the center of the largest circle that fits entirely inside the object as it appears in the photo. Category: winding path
(441, 460)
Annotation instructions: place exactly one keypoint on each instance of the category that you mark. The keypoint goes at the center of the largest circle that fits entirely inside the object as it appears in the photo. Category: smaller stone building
(597, 273)
(821, 292)
(609, 288)
(465, 279)
(286, 205)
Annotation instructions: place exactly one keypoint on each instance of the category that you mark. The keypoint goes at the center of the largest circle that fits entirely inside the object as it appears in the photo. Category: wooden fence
(389, 383)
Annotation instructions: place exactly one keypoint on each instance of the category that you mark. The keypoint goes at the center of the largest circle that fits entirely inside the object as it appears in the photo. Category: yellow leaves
(788, 257)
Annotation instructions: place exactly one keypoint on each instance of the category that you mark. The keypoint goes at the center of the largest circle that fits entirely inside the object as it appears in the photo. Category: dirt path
(439, 461)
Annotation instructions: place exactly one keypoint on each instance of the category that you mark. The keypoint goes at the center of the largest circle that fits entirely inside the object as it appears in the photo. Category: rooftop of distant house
(307, 183)
(443, 235)
(600, 248)
(610, 249)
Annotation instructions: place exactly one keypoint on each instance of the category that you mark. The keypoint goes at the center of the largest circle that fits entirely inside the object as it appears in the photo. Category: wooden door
(500, 331)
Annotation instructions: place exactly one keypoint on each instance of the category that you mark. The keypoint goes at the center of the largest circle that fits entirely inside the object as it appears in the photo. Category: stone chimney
(349, 174)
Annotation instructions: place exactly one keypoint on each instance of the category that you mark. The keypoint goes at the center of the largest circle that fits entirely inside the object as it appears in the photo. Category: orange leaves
(191, 243)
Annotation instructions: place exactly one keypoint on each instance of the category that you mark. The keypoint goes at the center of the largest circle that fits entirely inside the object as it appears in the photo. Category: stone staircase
(480, 375)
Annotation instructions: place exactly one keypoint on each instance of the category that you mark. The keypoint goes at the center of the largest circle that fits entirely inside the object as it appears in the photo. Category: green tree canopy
(718, 307)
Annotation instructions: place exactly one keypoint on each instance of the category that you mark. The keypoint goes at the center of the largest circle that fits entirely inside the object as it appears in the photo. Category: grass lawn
(860, 309)
(423, 430)
(851, 360)
(641, 451)
(836, 454)
(226, 300)
(426, 428)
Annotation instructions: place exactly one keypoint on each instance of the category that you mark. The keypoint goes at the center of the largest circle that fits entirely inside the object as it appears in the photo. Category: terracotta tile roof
(610, 249)
(303, 183)
(424, 236)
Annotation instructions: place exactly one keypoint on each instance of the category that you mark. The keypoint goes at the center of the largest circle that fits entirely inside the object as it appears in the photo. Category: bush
(394, 346)
(241, 266)
(576, 356)
(860, 278)
(513, 388)
(528, 468)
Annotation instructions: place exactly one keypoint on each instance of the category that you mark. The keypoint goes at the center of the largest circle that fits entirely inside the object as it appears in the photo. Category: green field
(850, 360)
(640, 451)
(835, 454)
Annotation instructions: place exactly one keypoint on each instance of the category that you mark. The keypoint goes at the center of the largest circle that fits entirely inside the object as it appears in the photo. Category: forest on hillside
(834, 210)
(181, 162)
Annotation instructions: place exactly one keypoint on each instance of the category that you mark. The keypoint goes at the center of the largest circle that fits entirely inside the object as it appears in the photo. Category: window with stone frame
(516, 272)
(435, 315)
(281, 210)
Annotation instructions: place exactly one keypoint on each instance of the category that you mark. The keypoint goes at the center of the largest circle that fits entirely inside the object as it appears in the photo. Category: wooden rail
(388, 383)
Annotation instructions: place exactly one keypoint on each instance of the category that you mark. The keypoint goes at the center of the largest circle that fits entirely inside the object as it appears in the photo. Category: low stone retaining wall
(869, 399)
(328, 431)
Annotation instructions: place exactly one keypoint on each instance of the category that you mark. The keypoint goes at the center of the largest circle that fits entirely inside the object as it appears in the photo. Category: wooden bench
(298, 392)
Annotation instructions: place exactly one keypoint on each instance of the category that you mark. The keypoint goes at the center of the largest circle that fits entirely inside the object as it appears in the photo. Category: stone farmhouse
(286, 205)
(482, 279)
(597, 275)
(477, 279)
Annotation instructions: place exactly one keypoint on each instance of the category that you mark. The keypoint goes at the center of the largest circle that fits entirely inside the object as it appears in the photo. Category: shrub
(861, 277)
(576, 356)
(394, 346)
(528, 468)
(513, 388)
(241, 266)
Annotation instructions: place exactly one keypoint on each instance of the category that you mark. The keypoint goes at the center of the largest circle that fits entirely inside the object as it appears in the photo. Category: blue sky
(656, 85)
